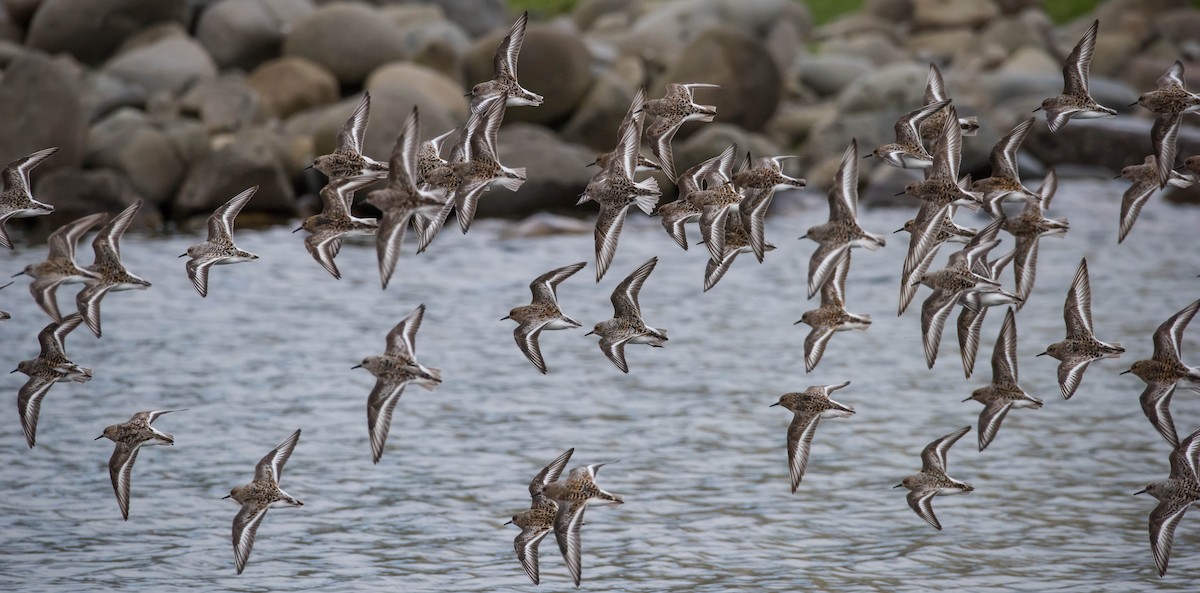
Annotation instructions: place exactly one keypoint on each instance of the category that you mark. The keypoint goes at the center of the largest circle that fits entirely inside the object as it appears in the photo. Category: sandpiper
(948, 231)
(573, 497)
(635, 118)
(1170, 101)
(709, 173)
(17, 199)
(537, 522)
(347, 160)
(335, 222)
(932, 479)
(831, 317)
(218, 249)
(111, 275)
(1028, 228)
(759, 179)
(59, 267)
(1175, 495)
(808, 407)
(671, 111)
(907, 152)
(430, 157)
(258, 496)
(130, 436)
(503, 87)
(1164, 370)
(50, 367)
(935, 90)
(1080, 347)
(1075, 100)
(1144, 182)
(5, 314)
(1005, 185)
(615, 189)
(1003, 393)
(974, 309)
(542, 313)
(735, 240)
(482, 168)
(626, 325)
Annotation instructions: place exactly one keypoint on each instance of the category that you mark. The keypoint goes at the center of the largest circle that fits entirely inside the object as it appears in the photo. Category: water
(703, 463)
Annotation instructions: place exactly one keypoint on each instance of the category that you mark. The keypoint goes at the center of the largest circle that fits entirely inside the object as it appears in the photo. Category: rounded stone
(396, 88)
(556, 170)
(245, 33)
(252, 157)
(897, 88)
(290, 84)
(92, 30)
(349, 40)
(168, 65)
(47, 94)
(77, 193)
(828, 74)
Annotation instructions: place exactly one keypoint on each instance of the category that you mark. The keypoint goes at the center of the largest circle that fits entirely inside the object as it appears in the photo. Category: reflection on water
(703, 465)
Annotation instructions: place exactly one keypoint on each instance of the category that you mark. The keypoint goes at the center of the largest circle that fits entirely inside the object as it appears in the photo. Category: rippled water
(703, 465)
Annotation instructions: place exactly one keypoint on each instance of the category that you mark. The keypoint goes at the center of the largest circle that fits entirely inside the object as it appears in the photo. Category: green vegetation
(1061, 11)
(824, 11)
(542, 8)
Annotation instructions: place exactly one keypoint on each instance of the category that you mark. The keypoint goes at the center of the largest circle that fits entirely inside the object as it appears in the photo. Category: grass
(542, 8)
(824, 11)
(1061, 11)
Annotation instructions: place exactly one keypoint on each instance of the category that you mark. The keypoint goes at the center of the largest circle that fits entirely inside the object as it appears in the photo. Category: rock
(1179, 26)
(587, 12)
(553, 63)
(828, 74)
(244, 33)
(1031, 60)
(793, 124)
(429, 39)
(936, 14)
(1113, 50)
(711, 139)
(252, 157)
(895, 11)
(556, 170)
(9, 31)
(854, 24)
(476, 17)
(878, 48)
(896, 88)
(938, 45)
(21, 11)
(395, 88)
(545, 224)
(751, 83)
(829, 137)
(1031, 28)
(47, 94)
(882, 183)
(290, 84)
(349, 40)
(9, 51)
(104, 93)
(168, 65)
(77, 193)
(1109, 143)
(91, 30)
(226, 104)
(1026, 91)
(598, 116)
(127, 141)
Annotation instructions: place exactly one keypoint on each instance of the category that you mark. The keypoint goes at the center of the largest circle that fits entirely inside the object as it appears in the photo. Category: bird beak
(468, 94)
(505, 317)
(17, 274)
(1126, 372)
(773, 405)
(1118, 176)
(1142, 491)
(899, 194)
(13, 371)
(967, 400)
(917, 283)
(226, 496)
(898, 485)
(509, 522)
(183, 255)
(591, 164)
(1038, 109)
(897, 230)
(589, 333)
(867, 156)
(1043, 354)
(298, 230)
(802, 237)
(98, 438)
(1134, 103)
(357, 366)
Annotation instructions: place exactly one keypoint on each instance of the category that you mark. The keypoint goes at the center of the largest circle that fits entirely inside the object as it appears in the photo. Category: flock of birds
(421, 188)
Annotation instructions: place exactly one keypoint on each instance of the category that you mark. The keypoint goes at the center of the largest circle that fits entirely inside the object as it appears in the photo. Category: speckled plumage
(1175, 495)
(50, 367)
(110, 273)
(542, 313)
(573, 496)
(1163, 371)
(932, 480)
(831, 317)
(258, 496)
(1080, 347)
(129, 437)
(59, 267)
(1075, 100)
(16, 201)
(808, 407)
(347, 161)
(626, 325)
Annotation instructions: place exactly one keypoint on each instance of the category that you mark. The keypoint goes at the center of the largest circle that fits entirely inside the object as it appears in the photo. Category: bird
(935, 90)
(635, 118)
(677, 106)
(537, 522)
(1004, 184)
(1143, 183)
(129, 437)
(402, 202)
(831, 317)
(1169, 102)
(17, 199)
(347, 161)
(1080, 347)
(932, 479)
(1175, 495)
(573, 496)
(430, 157)
(543, 313)
(708, 173)
(258, 496)
(616, 190)
(327, 229)
(626, 325)
(907, 152)
(5, 314)
(1163, 371)
(110, 273)
(218, 249)
(503, 86)
(50, 367)
(808, 407)
(974, 309)
(59, 267)
(949, 232)
(1003, 393)
(758, 180)
(1028, 228)
(481, 168)
(735, 240)
(1075, 100)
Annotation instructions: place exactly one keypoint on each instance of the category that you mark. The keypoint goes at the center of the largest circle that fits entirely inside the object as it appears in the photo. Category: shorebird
(1075, 100)
(932, 479)
(130, 436)
(348, 160)
(1080, 347)
(430, 157)
(481, 168)
(935, 91)
(634, 118)
(1170, 101)
(17, 199)
(907, 152)
(1175, 495)
(1028, 228)
(537, 522)
(975, 306)
(671, 111)
(573, 497)
(110, 273)
(1164, 370)
(218, 249)
(615, 189)
(949, 231)
(50, 367)
(1005, 185)
(5, 314)
(841, 233)
(709, 173)
(258, 496)
(503, 85)
(808, 407)
(735, 240)
(402, 202)
(758, 180)
(626, 325)
(59, 267)
(1144, 182)
(1003, 393)
(831, 317)
(327, 229)
(542, 313)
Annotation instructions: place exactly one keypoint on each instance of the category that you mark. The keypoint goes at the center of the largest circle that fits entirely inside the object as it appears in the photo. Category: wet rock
(76, 193)
(556, 171)
(225, 104)
(252, 157)
(291, 84)
(245, 33)
(349, 40)
(553, 63)
(897, 88)
(936, 14)
(168, 65)
(828, 74)
(47, 94)
(92, 30)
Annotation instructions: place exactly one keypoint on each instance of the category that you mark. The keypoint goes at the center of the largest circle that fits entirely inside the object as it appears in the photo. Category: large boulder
(167, 65)
(396, 88)
(556, 172)
(42, 97)
(245, 33)
(252, 157)
(750, 80)
(896, 88)
(476, 17)
(76, 193)
(553, 63)
(936, 14)
(828, 74)
(91, 30)
(711, 139)
(291, 84)
(129, 142)
(1109, 143)
(598, 116)
(225, 104)
(349, 40)
(104, 93)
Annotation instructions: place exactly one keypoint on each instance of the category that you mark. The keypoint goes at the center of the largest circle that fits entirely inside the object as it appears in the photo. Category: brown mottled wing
(120, 470)
(271, 465)
(402, 340)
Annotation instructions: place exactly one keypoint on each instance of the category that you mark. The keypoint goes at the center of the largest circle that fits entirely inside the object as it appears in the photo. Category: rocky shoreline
(184, 103)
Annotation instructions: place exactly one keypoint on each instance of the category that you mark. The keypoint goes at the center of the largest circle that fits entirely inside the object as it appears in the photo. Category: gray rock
(9, 31)
(895, 88)
(882, 183)
(349, 40)
(91, 30)
(895, 11)
(941, 44)
(553, 63)
(934, 14)
(1031, 60)
(1028, 90)
(751, 82)
(711, 139)
(587, 12)
(598, 116)
(545, 224)
(429, 39)
(828, 74)
(476, 17)
(793, 123)
(168, 65)
(226, 104)
(290, 84)
(129, 142)
(21, 11)
(829, 137)
(1109, 143)
(244, 33)
(104, 93)
(395, 88)
(879, 48)
(556, 170)
(9, 51)
(46, 93)
(252, 157)
(77, 193)
(1031, 28)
